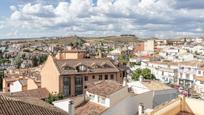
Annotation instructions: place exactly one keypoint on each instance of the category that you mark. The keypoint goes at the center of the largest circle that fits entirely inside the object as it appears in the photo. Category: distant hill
(66, 40)
(113, 39)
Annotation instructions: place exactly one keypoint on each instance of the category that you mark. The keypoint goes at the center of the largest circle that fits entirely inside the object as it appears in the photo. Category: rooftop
(22, 74)
(199, 78)
(90, 108)
(184, 113)
(155, 85)
(164, 63)
(74, 51)
(69, 66)
(40, 93)
(192, 63)
(25, 106)
(104, 88)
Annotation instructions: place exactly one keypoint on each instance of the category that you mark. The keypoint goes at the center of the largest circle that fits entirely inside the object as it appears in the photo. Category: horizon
(164, 19)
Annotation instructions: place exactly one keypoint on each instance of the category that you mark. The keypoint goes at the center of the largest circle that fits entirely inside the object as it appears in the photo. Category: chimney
(71, 108)
(141, 78)
(125, 81)
(140, 109)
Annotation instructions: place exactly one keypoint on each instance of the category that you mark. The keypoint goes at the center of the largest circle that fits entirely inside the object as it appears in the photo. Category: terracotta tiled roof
(155, 85)
(13, 106)
(104, 88)
(199, 78)
(184, 113)
(164, 63)
(73, 51)
(192, 63)
(40, 93)
(90, 108)
(73, 63)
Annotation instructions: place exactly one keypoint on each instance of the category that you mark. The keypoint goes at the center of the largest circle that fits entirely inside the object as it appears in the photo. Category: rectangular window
(106, 77)
(86, 78)
(67, 86)
(78, 85)
(93, 77)
(100, 77)
(199, 72)
(91, 96)
(112, 76)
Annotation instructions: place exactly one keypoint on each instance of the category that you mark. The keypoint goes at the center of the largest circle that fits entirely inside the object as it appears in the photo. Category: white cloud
(143, 17)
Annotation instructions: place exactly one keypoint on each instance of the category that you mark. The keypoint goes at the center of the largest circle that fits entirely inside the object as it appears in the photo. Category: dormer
(81, 67)
(67, 67)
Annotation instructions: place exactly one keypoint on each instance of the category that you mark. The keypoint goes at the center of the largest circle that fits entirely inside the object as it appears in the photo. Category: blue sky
(144, 18)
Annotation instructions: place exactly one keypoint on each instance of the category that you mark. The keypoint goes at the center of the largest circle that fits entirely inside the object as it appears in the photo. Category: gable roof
(13, 106)
(40, 93)
(155, 85)
(104, 88)
(73, 63)
(90, 108)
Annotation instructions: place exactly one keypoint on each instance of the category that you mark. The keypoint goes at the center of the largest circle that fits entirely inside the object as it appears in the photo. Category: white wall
(63, 104)
(95, 99)
(129, 105)
(15, 86)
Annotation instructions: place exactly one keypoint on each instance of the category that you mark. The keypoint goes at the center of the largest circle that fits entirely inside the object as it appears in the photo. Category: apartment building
(199, 82)
(99, 99)
(187, 71)
(112, 98)
(166, 72)
(70, 74)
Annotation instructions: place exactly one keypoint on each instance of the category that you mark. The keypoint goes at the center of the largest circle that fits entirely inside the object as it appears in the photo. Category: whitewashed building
(187, 71)
(166, 72)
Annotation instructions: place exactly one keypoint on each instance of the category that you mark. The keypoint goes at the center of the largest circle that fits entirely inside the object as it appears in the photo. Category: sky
(144, 18)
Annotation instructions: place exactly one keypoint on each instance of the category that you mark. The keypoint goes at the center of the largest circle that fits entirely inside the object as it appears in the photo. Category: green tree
(42, 59)
(18, 61)
(123, 59)
(54, 97)
(35, 61)
(146, 73)
(77, 43)
(136, 74)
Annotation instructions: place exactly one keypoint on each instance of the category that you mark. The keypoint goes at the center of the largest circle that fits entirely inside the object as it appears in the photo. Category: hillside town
(115, 75)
